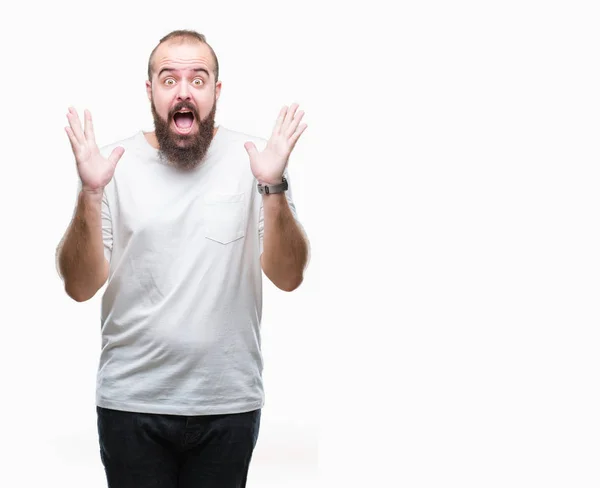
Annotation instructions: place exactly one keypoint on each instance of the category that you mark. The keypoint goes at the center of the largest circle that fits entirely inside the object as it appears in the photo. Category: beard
(184, 151)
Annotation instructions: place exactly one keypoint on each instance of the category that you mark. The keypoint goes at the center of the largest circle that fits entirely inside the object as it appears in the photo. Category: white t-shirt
(182, 306)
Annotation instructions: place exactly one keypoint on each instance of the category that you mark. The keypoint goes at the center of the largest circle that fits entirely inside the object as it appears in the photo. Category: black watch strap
(268, 189)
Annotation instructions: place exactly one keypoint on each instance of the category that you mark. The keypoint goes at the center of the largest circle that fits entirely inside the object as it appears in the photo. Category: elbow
(285, 283)
(290, 284)
(82, 290)
(77, 294)
(78, 297)
(286, 279)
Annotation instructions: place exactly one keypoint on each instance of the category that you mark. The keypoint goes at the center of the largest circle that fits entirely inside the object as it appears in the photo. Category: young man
(182, 222)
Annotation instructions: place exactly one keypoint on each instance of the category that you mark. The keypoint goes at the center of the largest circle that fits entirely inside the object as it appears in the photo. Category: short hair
(184, 35)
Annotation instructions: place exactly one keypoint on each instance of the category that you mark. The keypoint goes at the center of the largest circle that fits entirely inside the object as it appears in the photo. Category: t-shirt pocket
(224, 217)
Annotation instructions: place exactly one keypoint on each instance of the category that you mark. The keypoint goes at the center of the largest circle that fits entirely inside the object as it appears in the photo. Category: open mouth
(184, 121)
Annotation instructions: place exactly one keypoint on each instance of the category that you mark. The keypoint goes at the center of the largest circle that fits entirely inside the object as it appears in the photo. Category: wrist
(92, 195)
(270, 181)
(272, 188)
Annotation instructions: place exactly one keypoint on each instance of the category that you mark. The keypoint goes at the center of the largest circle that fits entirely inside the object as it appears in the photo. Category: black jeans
(141, 450)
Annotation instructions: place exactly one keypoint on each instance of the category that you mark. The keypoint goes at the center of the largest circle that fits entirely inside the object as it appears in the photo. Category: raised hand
(95, 171)
(268, 166)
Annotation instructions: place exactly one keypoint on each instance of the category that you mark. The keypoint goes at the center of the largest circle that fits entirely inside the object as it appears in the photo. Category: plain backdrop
(446, 333)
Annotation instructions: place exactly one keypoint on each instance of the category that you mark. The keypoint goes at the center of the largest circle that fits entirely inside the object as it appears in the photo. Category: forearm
(285, 249)
(81, 260)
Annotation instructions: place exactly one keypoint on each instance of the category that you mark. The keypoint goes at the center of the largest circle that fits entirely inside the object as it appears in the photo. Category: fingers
(296, 135)
(115, 155)
(89, 126)
(294, 124)
(75, 124)
(251, 150)
(72, 139)
(290, 116)
(288, 121)
(279, 122)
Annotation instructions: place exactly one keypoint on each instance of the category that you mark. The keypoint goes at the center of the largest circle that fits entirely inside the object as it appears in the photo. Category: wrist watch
(268, 189)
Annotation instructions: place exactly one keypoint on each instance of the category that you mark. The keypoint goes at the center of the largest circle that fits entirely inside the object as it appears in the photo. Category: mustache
(182, 106)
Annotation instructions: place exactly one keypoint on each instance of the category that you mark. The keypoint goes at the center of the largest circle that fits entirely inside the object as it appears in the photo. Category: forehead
(185, 54)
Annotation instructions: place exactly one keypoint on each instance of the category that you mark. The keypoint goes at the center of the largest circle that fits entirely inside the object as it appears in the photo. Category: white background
(447, 330)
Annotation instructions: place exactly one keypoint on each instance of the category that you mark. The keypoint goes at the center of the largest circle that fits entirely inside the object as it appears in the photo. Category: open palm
(95, 171)
(268, 165)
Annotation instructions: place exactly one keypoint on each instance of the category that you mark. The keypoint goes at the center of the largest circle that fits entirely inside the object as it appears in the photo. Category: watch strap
(269, 189)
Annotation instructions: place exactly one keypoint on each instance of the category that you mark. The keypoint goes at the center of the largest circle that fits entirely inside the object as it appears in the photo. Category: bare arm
(80, 255)
(285, 249)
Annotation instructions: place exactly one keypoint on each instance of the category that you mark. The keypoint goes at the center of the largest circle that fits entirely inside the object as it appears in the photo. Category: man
(180, 223)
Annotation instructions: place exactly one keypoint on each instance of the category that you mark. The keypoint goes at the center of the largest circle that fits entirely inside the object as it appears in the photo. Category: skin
(80, 254)
(285, 247)
(183, 72)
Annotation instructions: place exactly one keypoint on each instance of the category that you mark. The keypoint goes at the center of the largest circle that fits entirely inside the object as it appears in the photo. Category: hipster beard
(190, 154)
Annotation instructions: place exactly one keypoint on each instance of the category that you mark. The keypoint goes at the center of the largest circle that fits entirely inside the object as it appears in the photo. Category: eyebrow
(197, 70)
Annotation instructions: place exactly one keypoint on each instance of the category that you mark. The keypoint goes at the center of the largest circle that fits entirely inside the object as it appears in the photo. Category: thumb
(251, 150)
(116, 154)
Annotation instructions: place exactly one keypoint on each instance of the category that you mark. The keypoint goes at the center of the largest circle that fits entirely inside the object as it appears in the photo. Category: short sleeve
(107, 235)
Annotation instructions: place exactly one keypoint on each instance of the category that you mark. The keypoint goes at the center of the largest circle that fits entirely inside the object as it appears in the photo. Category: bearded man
(180, 224)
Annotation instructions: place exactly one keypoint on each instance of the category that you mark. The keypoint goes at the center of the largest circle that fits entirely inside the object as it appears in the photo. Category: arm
(285, 249)
(80, 255)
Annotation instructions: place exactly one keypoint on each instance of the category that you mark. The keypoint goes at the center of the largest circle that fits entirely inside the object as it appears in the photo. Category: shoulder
(236, 138)
(128, 143)
(133, 164)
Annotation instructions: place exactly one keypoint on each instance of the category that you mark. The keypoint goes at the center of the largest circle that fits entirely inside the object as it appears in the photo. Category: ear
(217, 90)
(149, 90)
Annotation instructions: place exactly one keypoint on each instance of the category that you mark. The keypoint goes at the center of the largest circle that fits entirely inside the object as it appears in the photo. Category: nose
(184, 92)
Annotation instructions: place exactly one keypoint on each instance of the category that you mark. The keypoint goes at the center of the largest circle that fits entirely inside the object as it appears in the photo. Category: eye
(198, 81)
(169, 82)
